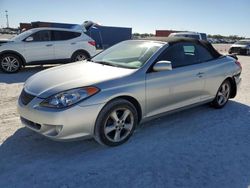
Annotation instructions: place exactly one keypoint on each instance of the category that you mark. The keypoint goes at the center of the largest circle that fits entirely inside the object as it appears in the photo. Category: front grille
(30, 124)
(26, 97)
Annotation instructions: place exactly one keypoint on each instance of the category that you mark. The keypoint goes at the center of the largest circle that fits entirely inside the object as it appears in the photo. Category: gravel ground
(199, 147)
(6, 36)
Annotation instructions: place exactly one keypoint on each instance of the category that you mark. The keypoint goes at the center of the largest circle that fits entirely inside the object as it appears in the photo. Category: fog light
(58, 128)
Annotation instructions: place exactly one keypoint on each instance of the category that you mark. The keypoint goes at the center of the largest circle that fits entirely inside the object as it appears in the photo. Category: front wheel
(10, 63)
(222, 95)
(116, 123)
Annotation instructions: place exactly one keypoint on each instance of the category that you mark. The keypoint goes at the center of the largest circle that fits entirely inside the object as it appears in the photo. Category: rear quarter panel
(216, 72)
(82, 43)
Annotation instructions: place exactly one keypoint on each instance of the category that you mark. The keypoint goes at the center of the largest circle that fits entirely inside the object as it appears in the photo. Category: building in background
(164, 33)
(25, 26)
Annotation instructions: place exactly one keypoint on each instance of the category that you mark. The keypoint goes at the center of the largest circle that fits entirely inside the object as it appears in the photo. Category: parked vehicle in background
(203, 36)
(130, 82)
(242, 47)
(211, 40)
(45, 46)
(194, 35)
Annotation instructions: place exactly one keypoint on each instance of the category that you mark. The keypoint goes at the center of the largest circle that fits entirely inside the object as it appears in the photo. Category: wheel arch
(233, 85)
(133, 101)
(98, 131)
(14, 53)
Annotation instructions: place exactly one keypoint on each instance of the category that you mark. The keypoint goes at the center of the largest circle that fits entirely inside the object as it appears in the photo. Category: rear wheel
(79, 56)
(116, 123)
(10, 63)
(223, 95)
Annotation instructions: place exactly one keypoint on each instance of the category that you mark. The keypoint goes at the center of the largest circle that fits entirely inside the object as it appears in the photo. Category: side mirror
(162, 66)
(29, 39)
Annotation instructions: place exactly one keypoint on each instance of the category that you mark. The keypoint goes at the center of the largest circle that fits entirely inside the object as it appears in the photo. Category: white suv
(45, 46)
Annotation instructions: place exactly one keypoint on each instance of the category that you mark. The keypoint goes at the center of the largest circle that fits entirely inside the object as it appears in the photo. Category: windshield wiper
(112, 64)
(106, 63)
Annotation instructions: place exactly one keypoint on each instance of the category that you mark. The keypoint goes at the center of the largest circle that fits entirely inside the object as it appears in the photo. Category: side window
(65, 35)
(204, 54)
(176, 55)
(181, 54)
(189, 50)
(40, 36)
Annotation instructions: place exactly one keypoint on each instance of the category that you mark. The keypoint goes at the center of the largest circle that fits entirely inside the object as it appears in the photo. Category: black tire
(105, 117)
(79, 56)
(10, 63)
(222, 97)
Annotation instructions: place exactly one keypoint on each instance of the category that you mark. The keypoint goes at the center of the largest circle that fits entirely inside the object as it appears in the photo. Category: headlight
(69, 97)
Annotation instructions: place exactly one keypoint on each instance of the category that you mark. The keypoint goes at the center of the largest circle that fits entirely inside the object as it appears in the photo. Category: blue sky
(210, 16)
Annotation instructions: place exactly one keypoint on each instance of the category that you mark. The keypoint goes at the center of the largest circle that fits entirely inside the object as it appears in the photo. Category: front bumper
(68, 124)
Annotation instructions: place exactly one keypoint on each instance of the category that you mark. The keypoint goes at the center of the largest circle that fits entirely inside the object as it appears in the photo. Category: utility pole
(7, 18)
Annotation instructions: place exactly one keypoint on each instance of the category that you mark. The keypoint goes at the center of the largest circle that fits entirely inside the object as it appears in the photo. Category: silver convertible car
(107, 96)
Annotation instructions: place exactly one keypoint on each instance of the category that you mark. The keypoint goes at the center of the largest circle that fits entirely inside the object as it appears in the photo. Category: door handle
(73, 43)
(200, 74)
(48, 45)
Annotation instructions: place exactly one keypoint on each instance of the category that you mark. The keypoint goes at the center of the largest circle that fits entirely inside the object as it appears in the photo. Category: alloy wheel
(223, 94)
(80, 57)
(10, 64)
(119, 124)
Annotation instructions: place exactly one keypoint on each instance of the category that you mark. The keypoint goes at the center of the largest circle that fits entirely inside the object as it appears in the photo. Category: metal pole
(7, 18)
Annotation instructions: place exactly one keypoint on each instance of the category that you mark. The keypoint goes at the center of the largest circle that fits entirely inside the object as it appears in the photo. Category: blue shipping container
(106, 36)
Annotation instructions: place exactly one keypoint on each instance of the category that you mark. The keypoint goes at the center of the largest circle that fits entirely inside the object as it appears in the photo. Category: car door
(212, 69)
(39, 47)
(179, 87)
(65, 43)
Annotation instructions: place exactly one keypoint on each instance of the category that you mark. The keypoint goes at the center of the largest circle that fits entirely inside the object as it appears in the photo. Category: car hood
(80, 74)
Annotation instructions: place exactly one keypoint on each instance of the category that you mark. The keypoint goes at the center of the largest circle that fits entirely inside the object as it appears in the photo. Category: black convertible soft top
(207, 45)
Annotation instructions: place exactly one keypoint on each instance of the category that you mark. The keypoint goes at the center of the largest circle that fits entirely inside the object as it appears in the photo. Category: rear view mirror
(162, 66)
(29, 39)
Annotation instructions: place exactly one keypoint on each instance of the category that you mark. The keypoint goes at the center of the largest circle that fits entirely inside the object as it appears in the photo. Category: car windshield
(128, 54)
(243, 42)
(21, 35)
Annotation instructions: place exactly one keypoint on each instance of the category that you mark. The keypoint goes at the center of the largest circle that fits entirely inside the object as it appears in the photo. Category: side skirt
(54, 61)
(146, 119)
